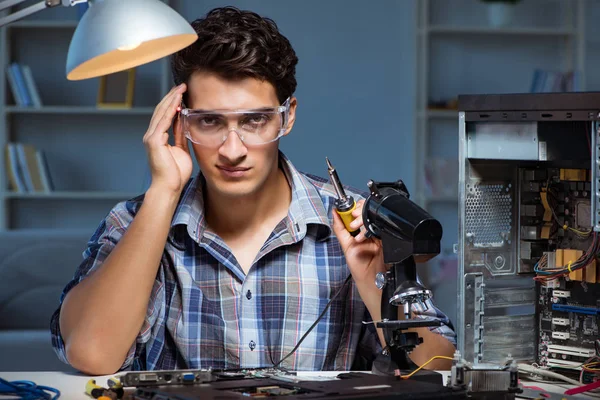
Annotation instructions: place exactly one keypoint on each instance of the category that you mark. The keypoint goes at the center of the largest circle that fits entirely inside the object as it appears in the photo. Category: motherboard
(559, 247)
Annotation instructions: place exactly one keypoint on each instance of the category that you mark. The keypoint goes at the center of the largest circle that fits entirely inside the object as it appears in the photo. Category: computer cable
(344, 206)
(314, 323)
(545, 274)
(530, 369)
(28, 390)
(425, 364)
(565, 386)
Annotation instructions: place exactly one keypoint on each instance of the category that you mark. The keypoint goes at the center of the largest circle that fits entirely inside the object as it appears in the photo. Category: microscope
(408, 235)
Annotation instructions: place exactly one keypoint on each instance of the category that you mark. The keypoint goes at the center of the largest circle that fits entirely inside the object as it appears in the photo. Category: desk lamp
(115, 35)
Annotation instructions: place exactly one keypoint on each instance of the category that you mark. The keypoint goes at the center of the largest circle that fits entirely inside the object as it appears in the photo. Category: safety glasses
(253, 126)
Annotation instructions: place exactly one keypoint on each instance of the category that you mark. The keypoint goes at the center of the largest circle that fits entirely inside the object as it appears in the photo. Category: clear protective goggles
(253, 126)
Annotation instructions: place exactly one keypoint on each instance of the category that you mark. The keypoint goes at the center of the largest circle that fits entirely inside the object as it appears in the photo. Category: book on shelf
(12, 82)
(13, 169)
(441, 178)
(23, 86)
(31, 86)
(548, 81)
(27, 169)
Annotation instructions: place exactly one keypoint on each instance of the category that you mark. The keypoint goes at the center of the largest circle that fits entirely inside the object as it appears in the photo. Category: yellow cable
(591, 366)
(422, 366)
(569, 266)
(547, 209)
(582, 233)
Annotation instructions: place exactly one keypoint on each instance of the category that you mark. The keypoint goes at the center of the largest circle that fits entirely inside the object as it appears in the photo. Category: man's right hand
(171, 166)
(98, 339)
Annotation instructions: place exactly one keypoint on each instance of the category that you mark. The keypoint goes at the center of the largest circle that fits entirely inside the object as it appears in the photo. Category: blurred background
(377, 89)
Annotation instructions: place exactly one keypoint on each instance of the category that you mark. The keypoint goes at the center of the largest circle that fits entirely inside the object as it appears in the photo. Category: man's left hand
(364, 256)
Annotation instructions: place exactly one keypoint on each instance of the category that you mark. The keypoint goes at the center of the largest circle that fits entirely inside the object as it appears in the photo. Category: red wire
(583, 388)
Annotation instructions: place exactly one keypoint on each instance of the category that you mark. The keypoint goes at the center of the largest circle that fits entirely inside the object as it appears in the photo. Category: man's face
(235, 169)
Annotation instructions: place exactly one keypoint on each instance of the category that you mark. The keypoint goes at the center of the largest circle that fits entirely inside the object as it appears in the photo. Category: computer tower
(529, 216)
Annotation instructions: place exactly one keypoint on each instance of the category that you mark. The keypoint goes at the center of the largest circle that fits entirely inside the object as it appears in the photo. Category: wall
(356, 92)
(355, 83)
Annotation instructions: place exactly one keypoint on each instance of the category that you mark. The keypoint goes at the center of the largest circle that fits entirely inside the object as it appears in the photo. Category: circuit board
(559, 248)
(352, 385)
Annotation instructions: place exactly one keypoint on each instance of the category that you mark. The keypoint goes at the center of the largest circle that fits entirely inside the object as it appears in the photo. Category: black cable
(315, 323)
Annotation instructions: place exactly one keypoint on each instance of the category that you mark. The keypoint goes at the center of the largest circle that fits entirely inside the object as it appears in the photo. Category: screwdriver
(344, 204)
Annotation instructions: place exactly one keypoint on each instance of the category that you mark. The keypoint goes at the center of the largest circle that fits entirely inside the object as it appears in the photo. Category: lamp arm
(7, 19)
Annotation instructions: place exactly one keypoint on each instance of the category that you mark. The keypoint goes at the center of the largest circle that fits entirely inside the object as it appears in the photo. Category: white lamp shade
(115, 35)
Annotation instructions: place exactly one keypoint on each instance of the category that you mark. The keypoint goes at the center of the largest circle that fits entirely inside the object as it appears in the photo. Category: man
(230, 268)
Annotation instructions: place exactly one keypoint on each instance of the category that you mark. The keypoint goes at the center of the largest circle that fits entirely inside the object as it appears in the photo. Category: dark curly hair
(239, 44)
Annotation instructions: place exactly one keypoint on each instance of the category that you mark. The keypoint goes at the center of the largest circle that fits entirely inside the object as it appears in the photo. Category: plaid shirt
(204, 311)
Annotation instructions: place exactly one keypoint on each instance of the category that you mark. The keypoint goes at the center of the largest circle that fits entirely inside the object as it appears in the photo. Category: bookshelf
(86, 148)
(459, 52)
(79, 110)
(88, 195)
(483, 30)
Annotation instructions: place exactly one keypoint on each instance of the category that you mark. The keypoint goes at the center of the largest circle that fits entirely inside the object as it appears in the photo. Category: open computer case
(529, 212)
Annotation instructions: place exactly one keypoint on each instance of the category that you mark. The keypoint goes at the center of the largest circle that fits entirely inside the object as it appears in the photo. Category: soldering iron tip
(328, 163)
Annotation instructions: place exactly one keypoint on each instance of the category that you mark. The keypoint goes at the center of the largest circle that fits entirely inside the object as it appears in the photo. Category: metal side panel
(460, 300)
(496, 305)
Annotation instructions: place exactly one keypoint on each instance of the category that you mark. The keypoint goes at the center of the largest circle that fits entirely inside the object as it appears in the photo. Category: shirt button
(248, 294)
(252, 345)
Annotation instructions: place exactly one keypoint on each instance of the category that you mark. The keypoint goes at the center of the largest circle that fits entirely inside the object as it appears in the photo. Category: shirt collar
(306, 207)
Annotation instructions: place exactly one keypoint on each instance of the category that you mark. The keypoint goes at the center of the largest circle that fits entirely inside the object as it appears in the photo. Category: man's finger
(167, 119)
(180, 139)
(357, 223)
(164, 107)
(340, 231)
(158, 108)
(358, 209)
(360, 237)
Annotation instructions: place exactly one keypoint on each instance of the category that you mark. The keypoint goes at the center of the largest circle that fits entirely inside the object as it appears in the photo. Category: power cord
(560, 385)
(28, 390)
(315, 323)
(424, 365)
(530, 369)
(533, 370)
(321, 316)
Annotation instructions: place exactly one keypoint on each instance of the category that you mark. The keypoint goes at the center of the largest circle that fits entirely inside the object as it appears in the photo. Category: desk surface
(72, 385)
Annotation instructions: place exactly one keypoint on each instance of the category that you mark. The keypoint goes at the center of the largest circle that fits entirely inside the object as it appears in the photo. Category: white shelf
(432, 126)
(439, 114)
(53, 232)
(79, 110)
(64, 195)
(459, 30)
(41, 24)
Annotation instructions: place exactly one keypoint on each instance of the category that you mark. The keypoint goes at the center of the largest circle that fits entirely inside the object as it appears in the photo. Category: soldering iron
(344, 204)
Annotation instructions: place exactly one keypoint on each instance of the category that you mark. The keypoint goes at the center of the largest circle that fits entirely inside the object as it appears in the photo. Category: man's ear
(291, 115)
